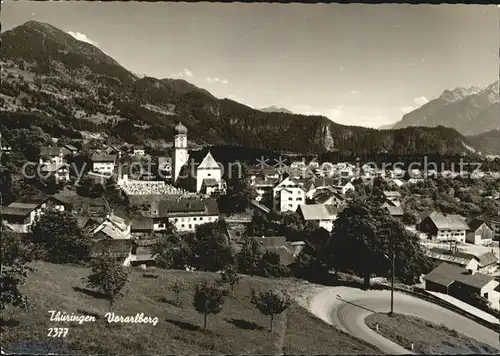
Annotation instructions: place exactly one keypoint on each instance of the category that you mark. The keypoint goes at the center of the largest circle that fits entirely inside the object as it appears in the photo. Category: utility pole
(392, 282)
(393, 264)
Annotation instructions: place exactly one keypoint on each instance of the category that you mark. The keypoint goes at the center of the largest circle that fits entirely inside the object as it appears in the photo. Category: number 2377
(58, 332)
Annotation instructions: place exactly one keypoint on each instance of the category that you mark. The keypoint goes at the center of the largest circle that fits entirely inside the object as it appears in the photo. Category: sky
(356, 64)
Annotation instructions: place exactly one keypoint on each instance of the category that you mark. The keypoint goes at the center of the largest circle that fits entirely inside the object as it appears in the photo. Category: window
(190, 226)
(182, 225)
(290, 198)
(209, 174)
(299, 199)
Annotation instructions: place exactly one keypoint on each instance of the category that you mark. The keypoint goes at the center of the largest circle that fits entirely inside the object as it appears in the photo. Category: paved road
(347, 308)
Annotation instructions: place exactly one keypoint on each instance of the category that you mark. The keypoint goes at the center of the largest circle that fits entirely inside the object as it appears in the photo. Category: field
(238, 329)
(428, 338)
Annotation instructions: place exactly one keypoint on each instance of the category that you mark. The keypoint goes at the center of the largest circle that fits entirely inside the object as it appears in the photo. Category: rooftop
(317, 212)
(166, 208)
(448, 222)
(394, 210)
(458, 257)
(104, 158)
(53, 151)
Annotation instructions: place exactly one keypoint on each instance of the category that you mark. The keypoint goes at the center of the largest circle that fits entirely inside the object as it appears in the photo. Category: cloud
(186, 73)
(83, 37)
(216, 80)
(421, 100)
(407, 109)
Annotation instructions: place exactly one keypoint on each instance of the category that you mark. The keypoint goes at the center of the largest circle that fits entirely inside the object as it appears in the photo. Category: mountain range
(487, 142)
(470, 111)
(47, 71)
(274, 108)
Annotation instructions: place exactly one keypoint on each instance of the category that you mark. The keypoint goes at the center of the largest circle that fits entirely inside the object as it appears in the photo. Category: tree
(208, 299)
(270, 265)
(87, 187)
(263, 224)
(362, 238)
(410, 217)
(271, 303)
(210, 247)
(178, 286)
(239, 192)
(60, 234)
(308, 265)
(13, 271)
(248, 258)
(114, 194)
(108, 276)
(171, 251)
(230, 276)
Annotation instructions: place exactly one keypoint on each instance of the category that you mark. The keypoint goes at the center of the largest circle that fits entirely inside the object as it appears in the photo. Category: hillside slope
(240, 329)
(47, 70)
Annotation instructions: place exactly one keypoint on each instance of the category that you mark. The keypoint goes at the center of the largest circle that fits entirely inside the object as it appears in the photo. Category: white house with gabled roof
(208, 174)
(288, 195)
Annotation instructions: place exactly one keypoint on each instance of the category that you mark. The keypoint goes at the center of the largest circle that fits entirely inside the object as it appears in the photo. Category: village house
(208, 176)
(494, 222)
(444, 227)
(104, 164)
(119, 249)
(451, 279)
(60, 171)
(139, 256)
(288, 195)
(343, 186)
(455, 257)
(142, 225)
(185, 214)
(113, 227)
(278, 245)
(480, 232)
(396, 212)
(263, 187)
(299, 165)
(392, 197)
(138, 151)
(112, 150)
(323, 215)
(395, 183)
(346, 170)
(53, 155)
(328, 196)
(20, 215)
(72, 149)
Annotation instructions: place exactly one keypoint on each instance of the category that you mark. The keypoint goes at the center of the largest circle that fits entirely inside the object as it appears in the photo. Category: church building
(208, 175)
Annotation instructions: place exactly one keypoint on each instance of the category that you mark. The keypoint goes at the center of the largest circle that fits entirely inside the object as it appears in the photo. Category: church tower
(180, 152)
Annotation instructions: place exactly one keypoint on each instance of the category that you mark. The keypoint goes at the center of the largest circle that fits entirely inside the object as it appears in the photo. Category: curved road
(347, 309)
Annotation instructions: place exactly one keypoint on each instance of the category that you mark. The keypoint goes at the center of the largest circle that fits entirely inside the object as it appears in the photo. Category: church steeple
(180, 152)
